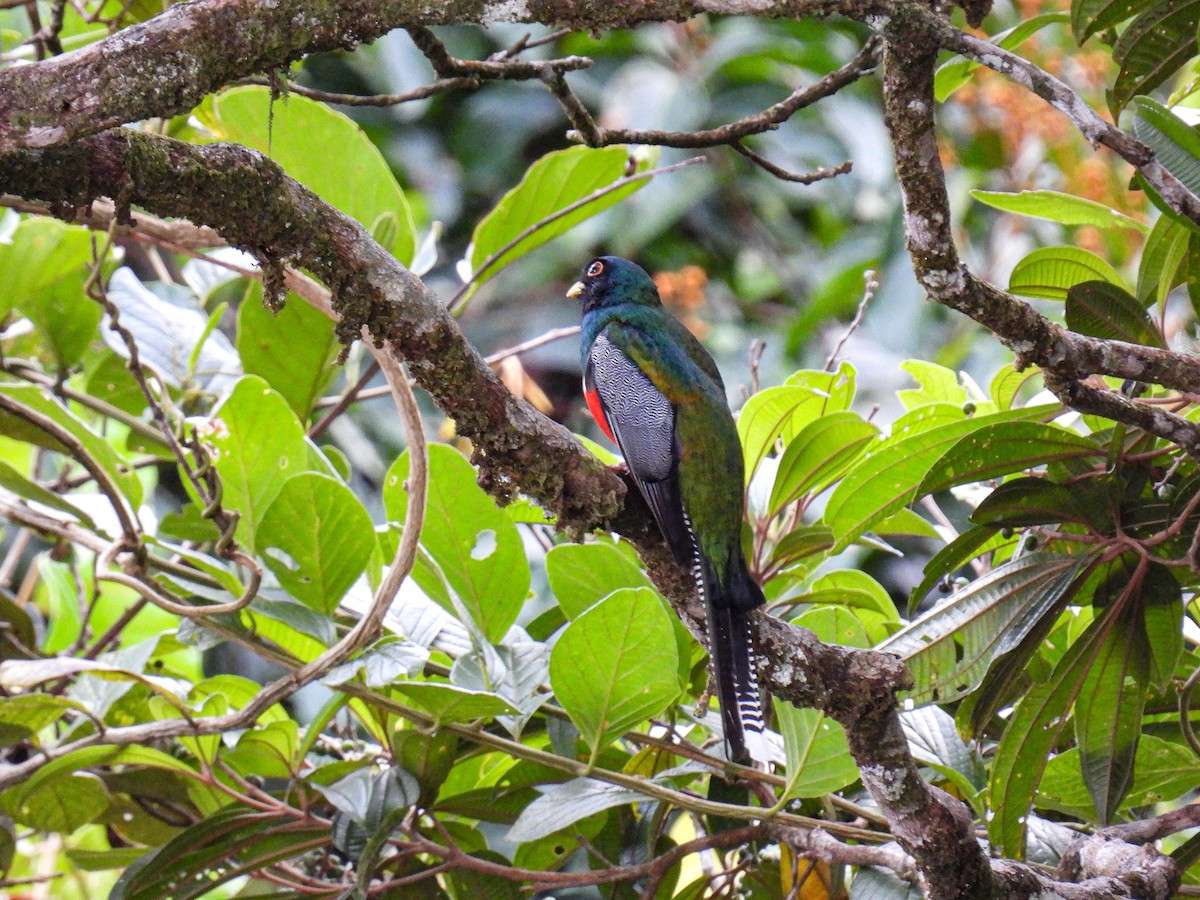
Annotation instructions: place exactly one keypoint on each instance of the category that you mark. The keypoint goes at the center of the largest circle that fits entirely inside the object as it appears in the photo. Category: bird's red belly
(597, 411)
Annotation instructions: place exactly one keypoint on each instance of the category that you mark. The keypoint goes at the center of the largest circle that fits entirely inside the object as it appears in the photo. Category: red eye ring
(595, 269)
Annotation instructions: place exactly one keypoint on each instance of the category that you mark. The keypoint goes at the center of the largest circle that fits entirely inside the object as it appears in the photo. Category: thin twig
(784, 175)
(869, 288)
(767, 120)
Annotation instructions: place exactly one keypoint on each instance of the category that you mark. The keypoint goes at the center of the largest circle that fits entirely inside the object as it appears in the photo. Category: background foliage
(530, 714)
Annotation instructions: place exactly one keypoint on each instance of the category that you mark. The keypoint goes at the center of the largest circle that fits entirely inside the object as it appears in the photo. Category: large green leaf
(582, 574)
(474, 544)
(1003, 448)
(1103, 310)
(1108, 712)
(949, 649)
(780, 412)
(293, 350)
(1160, 269)
(222, 846)
(1065, 209)
(1031, 733)
(953, 74)
(1030, 501)
(325, 535)
(972, 543)
(818, 756)
(888, 476)
(819, 454)
(1048, 272)
(1162, 770)
(615, 665)
(260, 445)
(552, 183)
(300, 135)
(41, 275)
(1089, 17)
(1175, 143)
(1152, 48)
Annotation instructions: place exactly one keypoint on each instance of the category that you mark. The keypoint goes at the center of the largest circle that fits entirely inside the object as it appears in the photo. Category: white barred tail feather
(734, 668)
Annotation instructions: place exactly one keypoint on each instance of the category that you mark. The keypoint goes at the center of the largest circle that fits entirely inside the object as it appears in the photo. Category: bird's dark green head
(609, 281)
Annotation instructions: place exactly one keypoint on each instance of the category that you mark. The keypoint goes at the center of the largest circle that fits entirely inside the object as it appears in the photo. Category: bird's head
(609, 281)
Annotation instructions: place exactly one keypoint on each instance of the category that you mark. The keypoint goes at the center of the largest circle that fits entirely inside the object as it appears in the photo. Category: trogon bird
(654, 389)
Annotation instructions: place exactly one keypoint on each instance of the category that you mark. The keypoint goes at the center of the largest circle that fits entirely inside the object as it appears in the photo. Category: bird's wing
(639, 417)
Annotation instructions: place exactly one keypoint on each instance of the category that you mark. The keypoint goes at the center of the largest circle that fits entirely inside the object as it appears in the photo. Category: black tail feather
(734, 666)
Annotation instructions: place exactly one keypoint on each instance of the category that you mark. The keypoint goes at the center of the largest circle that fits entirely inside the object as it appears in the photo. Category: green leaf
(582, 574)
(41, 275)
(300, 134)
(552, 183)
(326, 537)
(1152, 48)
(819, 455)
(41, 402)
(1089, 17)
(972, 543)
(1162, 611)
(62, 805)
(293, 350)
(1004, 448)
(615, 665)
(887, 478)
(953, 74)
(949, 649)
(1065, 209)
(14, 481)
(1031, 733)
(818, 756)
(780, 412)
(1160, 269)
(225, 845)
(802, 542)
(448, 703)
(23, 716)
(1108, 712)
(1104, 310)
(1162, 770)
(1175, 143)
(476, 546)
(1049, 272)
(1029, 501)
(562, 805)
(260, 445)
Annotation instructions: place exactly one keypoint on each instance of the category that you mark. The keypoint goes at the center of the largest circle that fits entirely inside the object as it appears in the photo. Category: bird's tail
(732, 651)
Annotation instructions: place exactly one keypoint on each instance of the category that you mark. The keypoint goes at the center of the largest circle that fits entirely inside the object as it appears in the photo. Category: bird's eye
(595, 269)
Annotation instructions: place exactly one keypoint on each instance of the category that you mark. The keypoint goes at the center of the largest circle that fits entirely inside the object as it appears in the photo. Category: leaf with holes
(260, 445)
(317, 538)
(474, 544)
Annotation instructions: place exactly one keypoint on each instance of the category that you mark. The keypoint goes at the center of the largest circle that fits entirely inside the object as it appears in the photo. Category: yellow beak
(575, 290)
